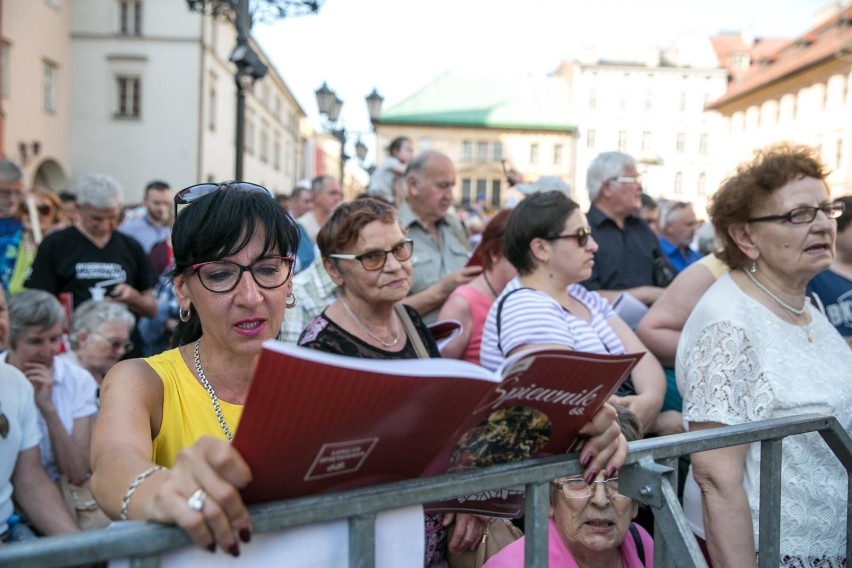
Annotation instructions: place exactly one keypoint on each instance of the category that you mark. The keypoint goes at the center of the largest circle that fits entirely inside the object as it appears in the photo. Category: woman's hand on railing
(201, 495)
(606, 447)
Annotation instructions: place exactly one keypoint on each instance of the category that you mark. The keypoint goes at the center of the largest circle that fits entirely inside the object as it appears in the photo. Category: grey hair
(98, 190)
(668, 208)
(10, 172)
(91, 314)
(605, 166)
(33, 308)
(419, 162)
(318, 183)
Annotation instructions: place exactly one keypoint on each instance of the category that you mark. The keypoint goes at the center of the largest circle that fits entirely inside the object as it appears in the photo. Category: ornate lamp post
(329, 105)
(243, 14)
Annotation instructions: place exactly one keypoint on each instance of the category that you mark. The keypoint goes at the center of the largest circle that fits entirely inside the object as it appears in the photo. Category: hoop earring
(291, 301)
(753, 268)
(184, 316)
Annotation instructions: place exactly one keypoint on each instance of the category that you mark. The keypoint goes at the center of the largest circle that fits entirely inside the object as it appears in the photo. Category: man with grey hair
(441, 248)
(12, 194)
(629, 257)
(93, 261)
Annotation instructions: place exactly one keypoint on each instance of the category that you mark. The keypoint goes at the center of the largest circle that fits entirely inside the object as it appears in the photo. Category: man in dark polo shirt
(629, 257)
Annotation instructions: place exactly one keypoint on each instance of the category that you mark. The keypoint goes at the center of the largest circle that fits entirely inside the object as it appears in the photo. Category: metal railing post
(362, 541)
(769, 543)
(536, 524)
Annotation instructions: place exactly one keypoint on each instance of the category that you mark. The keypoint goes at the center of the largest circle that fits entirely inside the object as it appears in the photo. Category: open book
(316, 422)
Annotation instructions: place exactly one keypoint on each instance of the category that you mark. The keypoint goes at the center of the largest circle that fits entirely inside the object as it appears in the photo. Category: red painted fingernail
(611, 471)
(587, 460)
(590, 477)
(234, 550)
(211, 548)
(245, 535)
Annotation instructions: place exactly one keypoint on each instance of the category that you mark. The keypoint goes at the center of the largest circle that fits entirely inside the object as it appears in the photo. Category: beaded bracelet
(134, 485)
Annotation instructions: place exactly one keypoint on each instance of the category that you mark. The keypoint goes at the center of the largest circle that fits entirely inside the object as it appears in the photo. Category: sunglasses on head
(193, 192)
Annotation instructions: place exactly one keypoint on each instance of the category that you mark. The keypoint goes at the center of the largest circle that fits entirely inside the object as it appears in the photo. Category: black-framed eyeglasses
(801, 215)
(193, 192)
(123, 344)
(222, 276)
(582, 235)
(375, 259)
(577, 488)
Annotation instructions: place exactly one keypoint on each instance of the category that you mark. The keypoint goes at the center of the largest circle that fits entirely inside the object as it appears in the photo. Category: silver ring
(196, 500)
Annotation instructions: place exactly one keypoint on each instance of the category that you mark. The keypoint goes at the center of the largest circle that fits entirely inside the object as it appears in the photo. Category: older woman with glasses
(549, 242)
(161, 448)
(100, 336)
(65, 394)
(589, 523)
(754, 348)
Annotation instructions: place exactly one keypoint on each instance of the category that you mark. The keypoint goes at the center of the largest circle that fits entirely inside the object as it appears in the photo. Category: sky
(398, 46)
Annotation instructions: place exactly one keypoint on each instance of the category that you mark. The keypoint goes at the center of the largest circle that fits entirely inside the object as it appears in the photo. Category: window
(211, 104)
(622, 140)
(590, 138)
(495, 192)
(646, 140)
(465, 188)
(481, 188)
(702, 184)
(678, 184)
(534, 153)
(50, 78)
(4, 69)
(129, 95)
(276, 153)
(838, 154)
(625, 97)
(482, 151)
(680, 144)
(131, 17)
(682, 102)
(467, 151)
(648, 100)
(557, 154)
(702, 144)
(264, 144)
(497, 151)
(593, 99)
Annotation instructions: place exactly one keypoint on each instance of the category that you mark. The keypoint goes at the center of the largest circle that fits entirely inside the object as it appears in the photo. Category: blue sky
(398, 46)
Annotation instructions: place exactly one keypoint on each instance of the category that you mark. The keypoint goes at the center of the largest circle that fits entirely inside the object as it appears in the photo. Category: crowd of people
(130, 335)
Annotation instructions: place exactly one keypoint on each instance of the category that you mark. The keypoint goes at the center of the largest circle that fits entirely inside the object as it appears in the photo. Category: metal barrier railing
(649, 475)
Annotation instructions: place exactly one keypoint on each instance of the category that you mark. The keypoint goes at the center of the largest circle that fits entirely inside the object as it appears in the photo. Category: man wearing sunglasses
(12, 194)
(629, 258)
(93, 261)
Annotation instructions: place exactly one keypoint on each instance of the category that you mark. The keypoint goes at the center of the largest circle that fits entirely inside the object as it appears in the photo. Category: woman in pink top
(591, 526)
(470, 302)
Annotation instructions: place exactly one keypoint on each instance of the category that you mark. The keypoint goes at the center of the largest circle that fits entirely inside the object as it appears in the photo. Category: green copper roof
(533, 103)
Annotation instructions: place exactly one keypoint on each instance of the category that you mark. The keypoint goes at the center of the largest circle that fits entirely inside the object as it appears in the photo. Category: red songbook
(316, 422)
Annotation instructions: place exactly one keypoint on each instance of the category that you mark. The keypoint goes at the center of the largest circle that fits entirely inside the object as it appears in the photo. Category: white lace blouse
(738, 362)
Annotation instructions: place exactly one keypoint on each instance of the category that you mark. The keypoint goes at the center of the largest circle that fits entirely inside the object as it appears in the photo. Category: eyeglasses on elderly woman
(221, 276)
(577, 488)
(375, 259)
(193, 192)
(802, 215)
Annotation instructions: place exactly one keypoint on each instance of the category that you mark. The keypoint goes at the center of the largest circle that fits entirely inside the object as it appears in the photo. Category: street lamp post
(250, 68)
(330, 105)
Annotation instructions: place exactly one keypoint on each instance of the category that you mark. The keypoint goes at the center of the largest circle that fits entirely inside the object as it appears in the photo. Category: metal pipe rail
(648, 476)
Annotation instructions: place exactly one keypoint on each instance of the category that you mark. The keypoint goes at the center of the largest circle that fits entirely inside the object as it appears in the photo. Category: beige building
(800, 90)
(35, 75)
(480, 123)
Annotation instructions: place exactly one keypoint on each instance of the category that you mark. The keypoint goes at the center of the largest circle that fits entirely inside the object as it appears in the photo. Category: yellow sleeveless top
(187, 409)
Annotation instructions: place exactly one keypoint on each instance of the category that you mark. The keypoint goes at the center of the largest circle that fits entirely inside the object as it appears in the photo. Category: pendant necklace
(790, 309)
(370, 333)
(213, 398)
(490, 287)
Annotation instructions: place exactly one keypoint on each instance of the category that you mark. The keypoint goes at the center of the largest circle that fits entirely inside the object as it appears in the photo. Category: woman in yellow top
(161, 450)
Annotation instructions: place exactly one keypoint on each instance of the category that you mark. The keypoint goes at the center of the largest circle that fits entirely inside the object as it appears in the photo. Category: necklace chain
(771, 294)
(370, 333)
(488, 282)
(213, 398)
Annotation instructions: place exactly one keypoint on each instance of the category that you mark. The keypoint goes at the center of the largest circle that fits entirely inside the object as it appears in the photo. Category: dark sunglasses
(44, 209)
(193, 192)
(582, 235)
